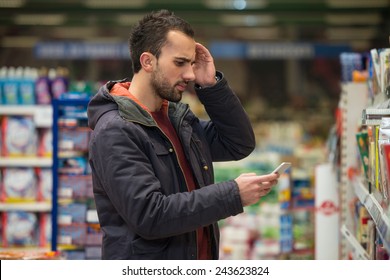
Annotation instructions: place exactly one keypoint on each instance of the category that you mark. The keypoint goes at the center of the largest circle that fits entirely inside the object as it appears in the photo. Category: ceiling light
(351, 33)
(357, 3)
(115, 3)
(40, 19)
(254, 34)
(247, 20)
(72, 32)
(12, 3)
(128, 19)
(362, 45)
(19, 41)
(353, 19)
(235, 4)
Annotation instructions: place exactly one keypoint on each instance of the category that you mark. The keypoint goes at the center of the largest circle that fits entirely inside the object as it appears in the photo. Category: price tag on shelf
(66, 240)
(92, 216)
(360, 191)
(369, 203)
(65, 219)
(66, 145)
(65, 193)
(43, 116)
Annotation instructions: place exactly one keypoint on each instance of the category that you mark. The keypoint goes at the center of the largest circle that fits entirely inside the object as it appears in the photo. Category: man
(151, 157)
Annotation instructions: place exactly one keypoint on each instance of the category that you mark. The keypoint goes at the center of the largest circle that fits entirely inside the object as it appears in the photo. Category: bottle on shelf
(42, 87)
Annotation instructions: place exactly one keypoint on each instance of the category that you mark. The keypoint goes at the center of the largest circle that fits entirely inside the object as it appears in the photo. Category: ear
(146, 60)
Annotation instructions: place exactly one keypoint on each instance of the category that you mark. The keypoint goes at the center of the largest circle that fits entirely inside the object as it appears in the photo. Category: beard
(163, 89)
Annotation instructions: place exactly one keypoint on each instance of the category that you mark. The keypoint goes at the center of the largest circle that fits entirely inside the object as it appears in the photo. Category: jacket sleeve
(229, 124)
(125, 174)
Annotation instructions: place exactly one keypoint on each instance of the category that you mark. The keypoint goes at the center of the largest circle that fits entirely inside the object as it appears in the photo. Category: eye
(180, 63)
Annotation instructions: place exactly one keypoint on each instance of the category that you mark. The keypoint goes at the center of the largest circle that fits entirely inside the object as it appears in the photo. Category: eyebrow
(183, 58)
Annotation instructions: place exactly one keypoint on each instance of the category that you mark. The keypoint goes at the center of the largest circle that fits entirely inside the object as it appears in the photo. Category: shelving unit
(26, 206)
(42, 119)
(366, 207)
(42, 114)
(371, 202)
(353, 101)
(75, 229)
(358, 251)
(26, 162)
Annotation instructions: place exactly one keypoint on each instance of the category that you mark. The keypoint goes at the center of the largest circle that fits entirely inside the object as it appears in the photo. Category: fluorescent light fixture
(12, 3)
(357, 3)
(115, 3)
(128, 19)
(362, 45)
(78, 32)
(19, 41)
(247, 20)
(104, 40)
(235, 4)
(353, 19)
(350, 33)
(40, 19)
(255, 33)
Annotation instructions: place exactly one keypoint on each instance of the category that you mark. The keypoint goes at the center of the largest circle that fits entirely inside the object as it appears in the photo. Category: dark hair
(150, 34)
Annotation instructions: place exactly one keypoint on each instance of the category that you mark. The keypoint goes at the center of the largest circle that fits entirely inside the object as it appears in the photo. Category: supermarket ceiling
(359, 23)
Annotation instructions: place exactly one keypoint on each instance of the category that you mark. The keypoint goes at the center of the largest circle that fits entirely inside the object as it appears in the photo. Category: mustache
(182, 83)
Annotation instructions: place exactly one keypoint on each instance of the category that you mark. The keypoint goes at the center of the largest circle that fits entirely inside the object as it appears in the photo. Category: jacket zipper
(178, 134)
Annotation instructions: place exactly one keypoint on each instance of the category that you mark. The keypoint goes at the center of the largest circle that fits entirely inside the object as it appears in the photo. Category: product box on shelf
(73, 165)
(70, 213)
(74, 187)
(94, 235)
(25, 184)
(20, 228)
(75, 139)
(20, 137)
(45, 148)
(45, 184)
(19, 184)
(72, 234)
(363, 143)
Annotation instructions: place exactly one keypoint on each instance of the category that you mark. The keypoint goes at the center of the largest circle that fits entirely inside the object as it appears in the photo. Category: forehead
(179, 45)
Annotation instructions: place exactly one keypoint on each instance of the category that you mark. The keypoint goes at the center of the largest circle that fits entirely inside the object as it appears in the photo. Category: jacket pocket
(204, 168)
(165, 166)
(160, 149)
(150, 249)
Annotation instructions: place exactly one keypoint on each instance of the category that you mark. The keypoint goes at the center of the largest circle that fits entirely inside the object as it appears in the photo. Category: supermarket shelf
(23, 109)
(26, 162)
(371, 122)
(374, 116)
(42, 114)
(69, 154)
(359, 252)
(361, 190)
(33, 249)
(375, 210)
(30, 206)
(59, 119)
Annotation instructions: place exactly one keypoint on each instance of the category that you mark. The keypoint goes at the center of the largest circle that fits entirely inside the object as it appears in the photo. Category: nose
(189, 74)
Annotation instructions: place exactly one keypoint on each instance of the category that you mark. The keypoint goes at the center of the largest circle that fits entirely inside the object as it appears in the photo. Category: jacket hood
(104, 102)
(101, 103)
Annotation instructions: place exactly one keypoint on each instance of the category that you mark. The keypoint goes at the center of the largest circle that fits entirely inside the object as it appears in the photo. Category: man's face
(173, 69)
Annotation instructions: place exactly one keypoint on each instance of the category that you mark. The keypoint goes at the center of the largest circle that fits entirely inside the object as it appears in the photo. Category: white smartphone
(282, 167)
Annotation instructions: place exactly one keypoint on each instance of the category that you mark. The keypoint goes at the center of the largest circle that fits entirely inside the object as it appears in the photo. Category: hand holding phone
(282, 167)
